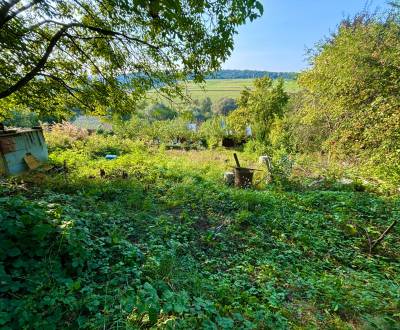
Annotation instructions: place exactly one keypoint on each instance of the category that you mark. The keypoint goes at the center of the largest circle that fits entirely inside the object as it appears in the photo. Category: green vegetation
(348, 109)
(155, 238)
(172, 247)
(251, 74)
(104, 56)
(216, 89)
(259, 108)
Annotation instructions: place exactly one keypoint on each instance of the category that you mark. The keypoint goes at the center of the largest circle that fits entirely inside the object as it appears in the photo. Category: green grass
(216, 89)
(172, 247)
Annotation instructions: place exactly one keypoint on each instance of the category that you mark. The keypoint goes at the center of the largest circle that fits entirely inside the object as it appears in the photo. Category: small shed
(21, 149)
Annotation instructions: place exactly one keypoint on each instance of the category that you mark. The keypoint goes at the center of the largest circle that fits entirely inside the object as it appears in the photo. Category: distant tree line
(249, 74)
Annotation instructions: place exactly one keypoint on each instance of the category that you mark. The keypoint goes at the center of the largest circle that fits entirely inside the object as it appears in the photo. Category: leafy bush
(213, 131)
(255, 147)
(351, 99)
(173, 131)
(135, 128)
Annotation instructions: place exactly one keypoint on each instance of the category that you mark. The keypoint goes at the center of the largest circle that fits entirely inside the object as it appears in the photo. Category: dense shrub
(351, 101)
(213, 130)
(135, 128)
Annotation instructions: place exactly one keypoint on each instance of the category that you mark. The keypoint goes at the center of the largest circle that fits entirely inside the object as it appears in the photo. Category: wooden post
(236, 160)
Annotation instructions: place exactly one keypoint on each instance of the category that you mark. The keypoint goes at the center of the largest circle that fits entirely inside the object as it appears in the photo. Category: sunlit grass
(216, 89)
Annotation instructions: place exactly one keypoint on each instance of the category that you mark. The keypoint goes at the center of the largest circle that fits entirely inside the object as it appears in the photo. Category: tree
(199, 111)
(352, 91)
(95, 52)
(259, 108)
(206, 107)
(159, 111)
(213, 131)
(224, 106)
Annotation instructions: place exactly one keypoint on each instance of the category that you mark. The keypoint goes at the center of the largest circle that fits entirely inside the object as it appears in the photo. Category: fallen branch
(382, 237)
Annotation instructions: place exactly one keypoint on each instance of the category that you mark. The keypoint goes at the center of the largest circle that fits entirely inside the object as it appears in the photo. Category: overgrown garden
(154, 237)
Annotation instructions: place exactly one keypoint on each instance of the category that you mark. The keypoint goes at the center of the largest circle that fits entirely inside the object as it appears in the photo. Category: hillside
(216, 89)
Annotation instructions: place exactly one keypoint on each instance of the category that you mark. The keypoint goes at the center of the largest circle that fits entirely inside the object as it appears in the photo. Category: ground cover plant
(168, 245)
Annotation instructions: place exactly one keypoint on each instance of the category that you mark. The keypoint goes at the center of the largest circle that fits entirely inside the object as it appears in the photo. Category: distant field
(216, 89)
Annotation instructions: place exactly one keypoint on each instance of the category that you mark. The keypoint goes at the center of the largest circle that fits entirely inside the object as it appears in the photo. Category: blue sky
(277, 41)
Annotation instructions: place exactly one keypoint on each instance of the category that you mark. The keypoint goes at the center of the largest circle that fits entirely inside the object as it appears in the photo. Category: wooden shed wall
(16, 146)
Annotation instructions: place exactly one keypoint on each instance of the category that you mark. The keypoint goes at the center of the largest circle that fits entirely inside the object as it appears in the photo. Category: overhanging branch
(5, 17)
(68, 88)
(53, 42)
(39, 65)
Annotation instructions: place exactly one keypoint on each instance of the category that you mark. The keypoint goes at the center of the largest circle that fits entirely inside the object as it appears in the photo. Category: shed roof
(18, 130)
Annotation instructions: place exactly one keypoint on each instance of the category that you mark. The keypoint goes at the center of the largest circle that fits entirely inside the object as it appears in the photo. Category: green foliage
(294, 133)
(259, 108)
(255, 147)
(203, 111)
(213, 131)
(198, 111)
(173, 131)
(105, 56)
(172, 247)
(20, 117)
(159, 111)
(224, 106)
(351, 101)
(98, 146)
(135, 128)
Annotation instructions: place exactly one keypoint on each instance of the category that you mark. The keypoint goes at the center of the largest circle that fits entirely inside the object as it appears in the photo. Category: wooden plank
(31, 161)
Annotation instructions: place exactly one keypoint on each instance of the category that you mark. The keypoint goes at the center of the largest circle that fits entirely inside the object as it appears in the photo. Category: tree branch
(5, 17)
(5, 8)
(39, 65)
(86, 56)
(53, 41)
(106, 32)
(384, 234)
(68, 88)
(117, 34)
